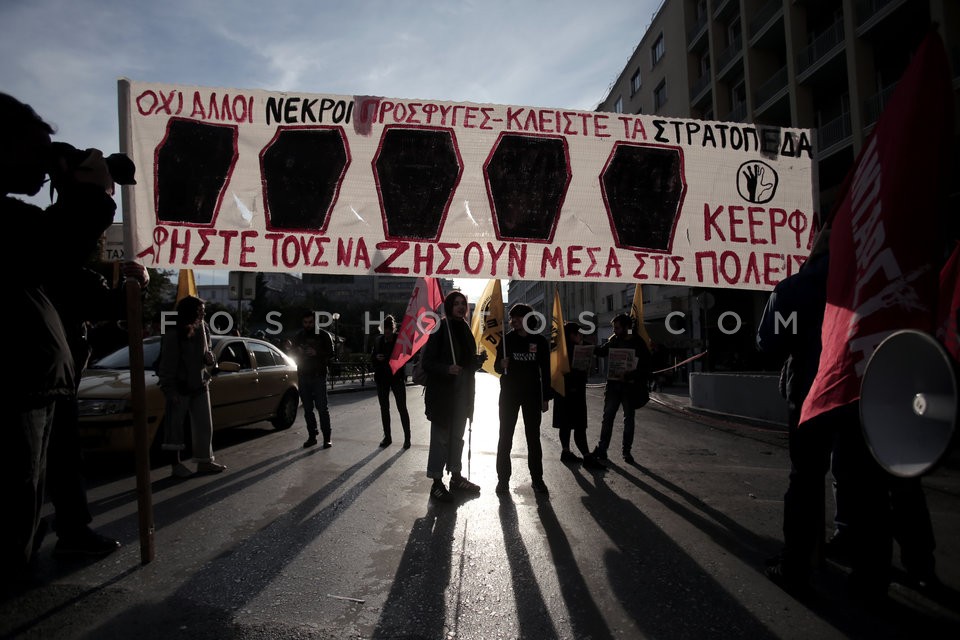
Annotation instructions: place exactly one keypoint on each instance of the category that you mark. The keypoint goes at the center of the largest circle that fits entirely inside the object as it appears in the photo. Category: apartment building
(828, 65)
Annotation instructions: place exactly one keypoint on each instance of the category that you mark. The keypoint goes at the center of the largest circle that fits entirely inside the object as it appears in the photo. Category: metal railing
(764, 16)
(702, 83)
(727, 55)
(820, 47)
(738, 113)
(866, 9)
(348, 371)
(770, 88)
(873, 106)
(694, 33)
(834, 132)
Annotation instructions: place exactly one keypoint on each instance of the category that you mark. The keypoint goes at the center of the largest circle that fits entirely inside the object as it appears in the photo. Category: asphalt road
(344, 543)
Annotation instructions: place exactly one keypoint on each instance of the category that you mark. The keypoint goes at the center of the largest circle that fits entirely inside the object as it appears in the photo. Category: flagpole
(138, 394)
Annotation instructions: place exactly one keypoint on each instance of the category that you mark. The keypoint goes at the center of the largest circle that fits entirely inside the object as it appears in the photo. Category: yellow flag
(186, 285)
(559, 362)
(636, 312)
(487, 323)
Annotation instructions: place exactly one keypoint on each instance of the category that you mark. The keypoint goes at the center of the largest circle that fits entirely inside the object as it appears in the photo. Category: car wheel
(287, 411)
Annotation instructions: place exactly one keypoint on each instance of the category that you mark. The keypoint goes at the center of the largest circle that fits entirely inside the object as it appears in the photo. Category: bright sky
(64, 57)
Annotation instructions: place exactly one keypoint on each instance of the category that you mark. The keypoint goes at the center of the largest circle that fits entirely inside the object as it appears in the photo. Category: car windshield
(120, 359)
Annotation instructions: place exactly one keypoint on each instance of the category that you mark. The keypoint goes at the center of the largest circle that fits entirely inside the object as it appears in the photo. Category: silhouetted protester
(185, 356)
(791, 327)
(524, 387)
(64, 236)
(450, 360)
(627, 392)
(389, 382)
(81, 295)
(312, 348)
(570, 409)
(910, 519)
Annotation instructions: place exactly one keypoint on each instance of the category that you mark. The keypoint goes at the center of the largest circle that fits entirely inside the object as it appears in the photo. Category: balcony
(832, 134)
(738, 113)
(769, 89)
(826, 44)
(873, 106)
(765, 16)
(721, 7)
(696, 31)
(728, 55)
(698, 88)
(870, 12)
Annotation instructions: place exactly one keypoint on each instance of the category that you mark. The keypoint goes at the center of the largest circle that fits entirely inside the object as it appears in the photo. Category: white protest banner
(256, 180)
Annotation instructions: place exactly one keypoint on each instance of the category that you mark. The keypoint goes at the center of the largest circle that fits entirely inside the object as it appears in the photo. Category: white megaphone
(908, 403)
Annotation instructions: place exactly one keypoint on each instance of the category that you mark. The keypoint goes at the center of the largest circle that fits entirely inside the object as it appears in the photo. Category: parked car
(253, 381)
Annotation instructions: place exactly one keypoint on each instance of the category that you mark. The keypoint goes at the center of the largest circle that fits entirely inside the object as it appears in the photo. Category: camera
(121, 167)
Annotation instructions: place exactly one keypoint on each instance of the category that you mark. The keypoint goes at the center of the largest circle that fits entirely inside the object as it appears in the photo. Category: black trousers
(511, 404)
(811, 446)
(398, 386)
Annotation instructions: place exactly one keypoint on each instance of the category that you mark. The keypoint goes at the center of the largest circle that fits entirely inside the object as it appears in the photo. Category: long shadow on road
(658, 584)
(415, 606)
(243, 571)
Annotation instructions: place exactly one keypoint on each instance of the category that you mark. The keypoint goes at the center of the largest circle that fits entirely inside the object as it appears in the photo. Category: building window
(635, 82)
(618, 105)
(656, 51)
(660, 95)
(610, 302)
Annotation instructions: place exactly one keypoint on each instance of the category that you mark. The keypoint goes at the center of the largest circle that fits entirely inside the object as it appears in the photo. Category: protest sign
(270, 181)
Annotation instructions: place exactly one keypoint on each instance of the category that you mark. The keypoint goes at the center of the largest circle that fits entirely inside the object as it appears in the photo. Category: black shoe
(439, 493)
(838, 549)
(570, 457)
(539, 486)
(406, 442)
(386, 442)
(311, 441)
(600, 455)
(503, 487)
(327, 444)
(85, 543)
(591, 463)
(459, 483)
(628, 458)
(790, 581)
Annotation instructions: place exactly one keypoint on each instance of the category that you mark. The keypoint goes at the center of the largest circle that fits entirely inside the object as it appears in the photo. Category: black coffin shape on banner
(527, 179)
(302, 170)
(194, 163)
(416, 171)
(643, 190)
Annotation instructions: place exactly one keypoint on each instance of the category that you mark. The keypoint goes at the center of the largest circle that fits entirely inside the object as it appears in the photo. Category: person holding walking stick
(450, 360)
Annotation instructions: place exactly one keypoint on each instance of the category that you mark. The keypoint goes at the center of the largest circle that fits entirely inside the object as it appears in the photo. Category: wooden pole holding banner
(135, 334)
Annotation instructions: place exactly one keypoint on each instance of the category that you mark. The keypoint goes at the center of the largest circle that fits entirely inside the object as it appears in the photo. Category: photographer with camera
(61, 236)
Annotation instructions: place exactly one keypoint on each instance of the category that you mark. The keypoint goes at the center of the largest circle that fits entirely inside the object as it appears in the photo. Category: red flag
(886, 241)
(948, 315)
(418, 322)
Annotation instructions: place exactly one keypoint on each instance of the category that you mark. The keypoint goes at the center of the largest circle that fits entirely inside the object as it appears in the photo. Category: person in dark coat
(570, 409)
(791, 327)
(624, 392)
(65, 234)
(450, 360)
(524, 387)
(389, 382)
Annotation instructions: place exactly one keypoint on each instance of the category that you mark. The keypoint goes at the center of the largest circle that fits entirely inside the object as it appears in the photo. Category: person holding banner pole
(450, 360)
(70, 230)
